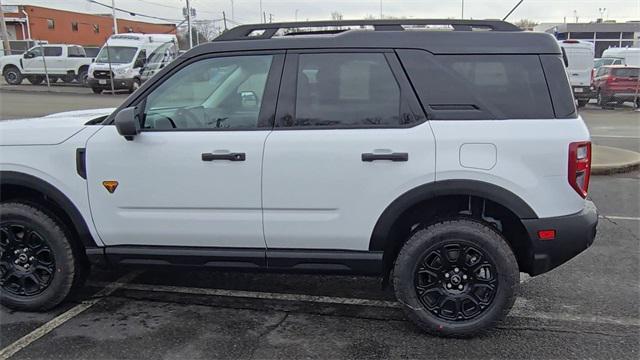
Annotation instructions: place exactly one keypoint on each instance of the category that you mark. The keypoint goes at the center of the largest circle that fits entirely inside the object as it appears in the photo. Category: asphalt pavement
(587, 308)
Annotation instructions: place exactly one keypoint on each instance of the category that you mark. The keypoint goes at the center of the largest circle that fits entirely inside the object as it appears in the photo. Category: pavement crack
(267, 332)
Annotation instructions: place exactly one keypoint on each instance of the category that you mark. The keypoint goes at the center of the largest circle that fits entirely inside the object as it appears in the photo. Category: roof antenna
(512, 10)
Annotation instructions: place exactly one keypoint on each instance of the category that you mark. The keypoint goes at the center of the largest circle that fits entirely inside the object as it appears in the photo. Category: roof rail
(268, 30)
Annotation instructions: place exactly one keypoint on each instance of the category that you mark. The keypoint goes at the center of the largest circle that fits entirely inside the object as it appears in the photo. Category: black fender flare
(497, 194)
(56, 196)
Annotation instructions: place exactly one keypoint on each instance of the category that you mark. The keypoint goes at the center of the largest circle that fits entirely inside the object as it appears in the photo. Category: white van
(580, 55)
(124, 55)
(629, 55)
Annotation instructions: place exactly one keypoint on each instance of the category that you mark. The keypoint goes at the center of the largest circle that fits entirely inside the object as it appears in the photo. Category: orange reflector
(110, 185)
(547, 234)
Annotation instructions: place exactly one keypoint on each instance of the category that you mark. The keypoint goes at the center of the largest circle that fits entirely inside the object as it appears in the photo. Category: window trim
(267, 109)
(409, 105)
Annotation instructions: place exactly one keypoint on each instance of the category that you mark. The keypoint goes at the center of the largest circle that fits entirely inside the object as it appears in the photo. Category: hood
(48, 130)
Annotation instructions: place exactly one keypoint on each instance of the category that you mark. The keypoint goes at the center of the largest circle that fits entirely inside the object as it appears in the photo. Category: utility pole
(224, 19)
(189, 25)
(270, 17)
(380, 9)
(5, 33)
(113, 15)
(462, 16)
(233, 17)
(261, 13)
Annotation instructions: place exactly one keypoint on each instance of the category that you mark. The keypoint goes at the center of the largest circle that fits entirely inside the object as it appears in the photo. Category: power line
(133, 13)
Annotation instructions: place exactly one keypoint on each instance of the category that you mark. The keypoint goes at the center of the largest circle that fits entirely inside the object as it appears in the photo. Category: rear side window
(625, 72)
(513, 86)
(346, 90)
(481, 87)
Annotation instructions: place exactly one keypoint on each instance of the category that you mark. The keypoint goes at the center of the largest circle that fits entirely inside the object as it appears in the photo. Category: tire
(82, 77)
(135, 85)
(602, 101)
(582, 103)
(12, 75)
(45, 259)
(96, 90)
(488, 261)
(36, 79)
(68, 78)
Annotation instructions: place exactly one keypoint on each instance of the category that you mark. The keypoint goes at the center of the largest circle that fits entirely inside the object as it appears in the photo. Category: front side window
(211, 94)
(346, 90)
(35, 51)
(116, 54)
(52, 51)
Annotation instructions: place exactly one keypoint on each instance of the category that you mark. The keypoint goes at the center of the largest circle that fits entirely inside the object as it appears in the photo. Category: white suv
(451, 160)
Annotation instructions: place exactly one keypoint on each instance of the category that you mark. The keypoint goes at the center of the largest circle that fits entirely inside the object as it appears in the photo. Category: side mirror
(28, 55)
(127, 123)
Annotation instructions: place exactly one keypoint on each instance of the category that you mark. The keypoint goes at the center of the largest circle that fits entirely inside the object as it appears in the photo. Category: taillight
(611, 79)
(580, 166)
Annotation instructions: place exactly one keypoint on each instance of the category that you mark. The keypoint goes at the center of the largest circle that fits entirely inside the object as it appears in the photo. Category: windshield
(116, 54)
(603, 61)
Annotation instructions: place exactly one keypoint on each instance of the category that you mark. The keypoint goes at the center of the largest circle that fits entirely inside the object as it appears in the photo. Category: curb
(625, 160)
(40, 89)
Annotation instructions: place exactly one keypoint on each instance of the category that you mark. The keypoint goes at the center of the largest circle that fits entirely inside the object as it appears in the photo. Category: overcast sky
(248, 11)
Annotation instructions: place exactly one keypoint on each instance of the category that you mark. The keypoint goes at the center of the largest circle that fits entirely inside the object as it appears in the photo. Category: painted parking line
(51, 325)
(612, 217)
(520, 309)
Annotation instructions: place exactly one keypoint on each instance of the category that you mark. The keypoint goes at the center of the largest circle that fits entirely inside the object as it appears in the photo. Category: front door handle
(368, 157)
(227, 156)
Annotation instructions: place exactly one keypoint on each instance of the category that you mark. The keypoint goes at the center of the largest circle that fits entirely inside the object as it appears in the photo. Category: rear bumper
(582, 92)
(574, 234)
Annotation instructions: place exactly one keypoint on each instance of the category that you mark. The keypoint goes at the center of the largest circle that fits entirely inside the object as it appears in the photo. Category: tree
(526, 24)
(206, 29)
(336, 15)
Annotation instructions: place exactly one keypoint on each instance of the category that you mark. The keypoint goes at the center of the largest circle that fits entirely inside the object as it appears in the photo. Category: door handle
(227, 156)
(368, 157)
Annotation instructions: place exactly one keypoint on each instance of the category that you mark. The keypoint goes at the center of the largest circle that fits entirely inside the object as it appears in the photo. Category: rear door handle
(227, 156)
(368, 157)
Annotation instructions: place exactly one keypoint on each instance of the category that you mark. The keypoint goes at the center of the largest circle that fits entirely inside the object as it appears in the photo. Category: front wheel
(83, 77)
(456, 278)
(582, 103)
(12, 75)
(135, 85)
(37, 265)
(602, 100)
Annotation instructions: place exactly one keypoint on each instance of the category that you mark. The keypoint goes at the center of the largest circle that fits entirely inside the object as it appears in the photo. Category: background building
(603, 34)
(68, 27)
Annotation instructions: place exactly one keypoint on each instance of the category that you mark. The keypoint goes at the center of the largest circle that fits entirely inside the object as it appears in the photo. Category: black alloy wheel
(27, 264)
(455, 280)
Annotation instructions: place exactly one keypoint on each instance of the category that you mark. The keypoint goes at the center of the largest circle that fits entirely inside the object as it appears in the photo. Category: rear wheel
(82, 77)
(456, 278)
(12, 75)
(68, 78)
(37, 265)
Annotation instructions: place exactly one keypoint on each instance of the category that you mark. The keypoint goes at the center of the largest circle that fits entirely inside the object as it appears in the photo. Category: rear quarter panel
(531, 158)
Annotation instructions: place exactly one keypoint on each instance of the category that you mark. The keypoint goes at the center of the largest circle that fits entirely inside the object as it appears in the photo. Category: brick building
(68, 27)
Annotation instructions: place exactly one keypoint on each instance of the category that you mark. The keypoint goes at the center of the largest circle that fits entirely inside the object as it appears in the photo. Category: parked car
(121, 58)
(68, 62)
(19, 47)
(446, 162)
(629, 55)
(617, 83)
(580, 65)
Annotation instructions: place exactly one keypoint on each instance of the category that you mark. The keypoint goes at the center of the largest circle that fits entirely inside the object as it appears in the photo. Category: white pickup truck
(66, 62)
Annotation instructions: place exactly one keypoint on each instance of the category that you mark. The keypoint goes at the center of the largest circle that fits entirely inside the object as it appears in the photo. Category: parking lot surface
(587, 308)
